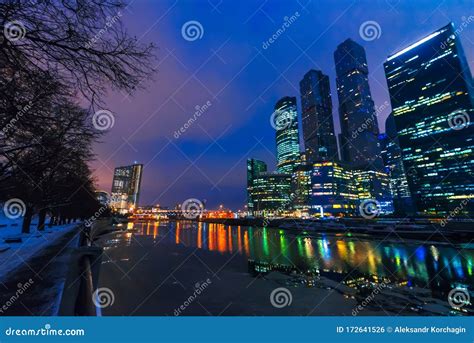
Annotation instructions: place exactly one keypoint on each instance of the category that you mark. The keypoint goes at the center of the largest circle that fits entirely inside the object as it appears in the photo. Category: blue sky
(229, 68)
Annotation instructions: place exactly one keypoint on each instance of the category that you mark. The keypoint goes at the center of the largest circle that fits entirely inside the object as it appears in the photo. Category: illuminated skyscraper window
(126, 187)
(285, 121)
(431, 92)
(317, 124)
(359, 130)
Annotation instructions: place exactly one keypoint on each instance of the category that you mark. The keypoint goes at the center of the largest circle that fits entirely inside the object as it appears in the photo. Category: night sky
(229, 68)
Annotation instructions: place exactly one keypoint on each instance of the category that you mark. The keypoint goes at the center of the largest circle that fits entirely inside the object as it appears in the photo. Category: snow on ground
(13, 255)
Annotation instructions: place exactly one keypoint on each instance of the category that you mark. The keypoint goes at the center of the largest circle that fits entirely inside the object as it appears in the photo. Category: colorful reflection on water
(426, 265)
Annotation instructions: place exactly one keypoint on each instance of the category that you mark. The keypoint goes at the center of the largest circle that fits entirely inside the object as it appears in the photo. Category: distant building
(359, 130)
(334, 192)
(392, 158)
(374, 185)
(316, 114)
(432, 96)
(270, 194)
(287, 138)
(301, 190)
(338, 189)
(254, 169)
(126, 187)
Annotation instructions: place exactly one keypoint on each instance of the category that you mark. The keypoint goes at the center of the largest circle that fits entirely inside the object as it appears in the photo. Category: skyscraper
(359, 130)
(334, 191)
(254, 169)
(432, 98)
(285, 121)
(392, 158)
(126, 187)
(317, 124)
(270, 194)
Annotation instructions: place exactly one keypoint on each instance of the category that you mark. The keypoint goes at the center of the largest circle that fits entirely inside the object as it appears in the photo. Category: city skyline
(217, 176)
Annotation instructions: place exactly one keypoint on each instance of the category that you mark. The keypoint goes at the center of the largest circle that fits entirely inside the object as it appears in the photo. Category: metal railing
(82, 279)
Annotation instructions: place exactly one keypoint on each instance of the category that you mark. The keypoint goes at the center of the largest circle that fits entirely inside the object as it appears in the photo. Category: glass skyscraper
(254, 169)
(317, 124)
(287, 138)
(392, 158)
(431, 92)
(359, 130)
(270, 194)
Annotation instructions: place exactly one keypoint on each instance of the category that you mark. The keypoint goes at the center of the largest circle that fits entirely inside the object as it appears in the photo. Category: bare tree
(83, 42)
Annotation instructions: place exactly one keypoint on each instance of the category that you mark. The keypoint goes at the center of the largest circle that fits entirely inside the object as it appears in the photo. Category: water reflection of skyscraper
(415, 264)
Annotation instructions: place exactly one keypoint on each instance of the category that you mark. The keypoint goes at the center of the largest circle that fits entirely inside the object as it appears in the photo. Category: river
(189, 268)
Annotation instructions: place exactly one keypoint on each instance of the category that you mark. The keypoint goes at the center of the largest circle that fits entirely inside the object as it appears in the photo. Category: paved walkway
(36, 286)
